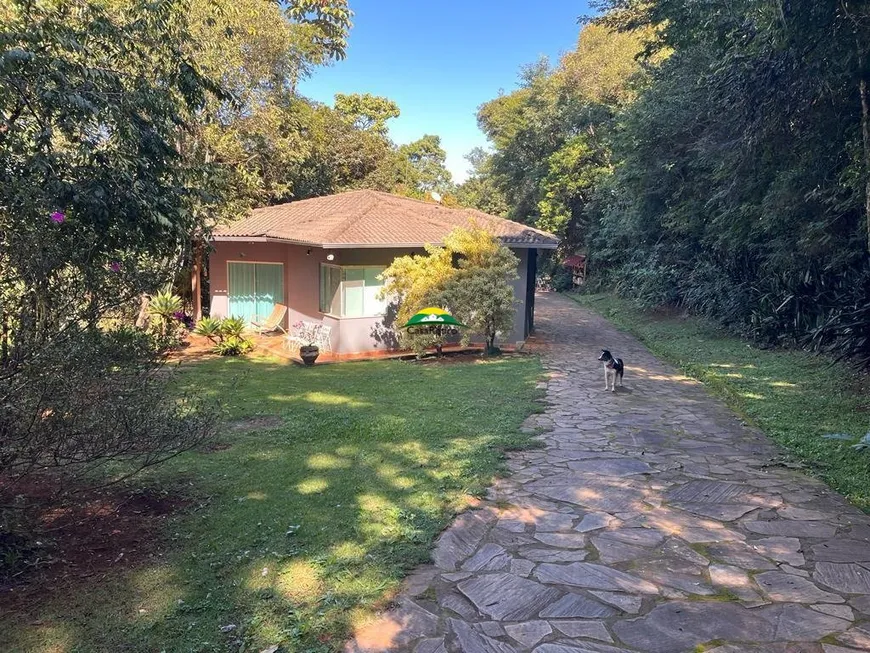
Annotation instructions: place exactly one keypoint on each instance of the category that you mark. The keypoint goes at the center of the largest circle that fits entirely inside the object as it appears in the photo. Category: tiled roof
(367, 218)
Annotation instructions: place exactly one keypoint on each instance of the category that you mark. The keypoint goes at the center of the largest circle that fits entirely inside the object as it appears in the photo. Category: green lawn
(793, 396)
(299, 531)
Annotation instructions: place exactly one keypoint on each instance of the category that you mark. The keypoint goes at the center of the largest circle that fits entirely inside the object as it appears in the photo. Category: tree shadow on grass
(305, 528)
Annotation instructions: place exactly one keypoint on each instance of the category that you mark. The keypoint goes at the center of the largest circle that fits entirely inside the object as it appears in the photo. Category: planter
(309, 354)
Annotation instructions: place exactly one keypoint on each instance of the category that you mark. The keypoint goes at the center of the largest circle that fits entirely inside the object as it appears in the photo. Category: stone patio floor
(654, 520)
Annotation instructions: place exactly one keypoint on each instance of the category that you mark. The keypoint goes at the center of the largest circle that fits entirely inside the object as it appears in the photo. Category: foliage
(366, 112)
(209, 327)
(416, 282)
(226, 333)
(96, 207)
(469, 276)
(165, 305)
(479, 293)
(742, 186)
(425, 159)
(725, 170)
(788, 394)
(480, 191)
(233, 327)
(337, 501)
(91, 399)
(233, 346)
(552, 135)
(563, 280)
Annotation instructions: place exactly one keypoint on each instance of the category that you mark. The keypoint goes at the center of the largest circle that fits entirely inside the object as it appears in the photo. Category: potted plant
(306, 333)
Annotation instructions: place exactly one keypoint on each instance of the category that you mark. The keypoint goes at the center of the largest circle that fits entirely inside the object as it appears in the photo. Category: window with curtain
(351, 291)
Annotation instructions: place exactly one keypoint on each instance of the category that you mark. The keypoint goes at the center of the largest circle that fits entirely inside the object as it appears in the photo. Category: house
(321, 257)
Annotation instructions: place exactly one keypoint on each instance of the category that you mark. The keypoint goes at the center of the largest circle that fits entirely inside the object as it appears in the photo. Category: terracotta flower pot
(309, 354)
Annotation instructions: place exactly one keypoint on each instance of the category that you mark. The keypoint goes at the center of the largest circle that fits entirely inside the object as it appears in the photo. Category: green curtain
(254, 289)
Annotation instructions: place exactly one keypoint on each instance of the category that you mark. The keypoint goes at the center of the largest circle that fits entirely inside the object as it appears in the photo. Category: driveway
(653, 520)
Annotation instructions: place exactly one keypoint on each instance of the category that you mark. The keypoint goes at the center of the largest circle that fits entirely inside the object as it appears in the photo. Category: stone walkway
(653, 521)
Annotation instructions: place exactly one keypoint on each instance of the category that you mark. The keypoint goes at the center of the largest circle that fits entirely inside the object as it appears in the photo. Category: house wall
(302, 289)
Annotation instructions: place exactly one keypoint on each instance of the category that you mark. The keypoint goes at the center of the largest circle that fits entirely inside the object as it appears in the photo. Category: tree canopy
(713, 155)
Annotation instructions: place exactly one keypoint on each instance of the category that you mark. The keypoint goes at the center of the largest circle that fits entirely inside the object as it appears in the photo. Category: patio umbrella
(432, 317)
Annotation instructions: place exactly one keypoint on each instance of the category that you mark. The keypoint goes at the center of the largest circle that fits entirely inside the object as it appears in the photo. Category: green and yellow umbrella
(432, 317)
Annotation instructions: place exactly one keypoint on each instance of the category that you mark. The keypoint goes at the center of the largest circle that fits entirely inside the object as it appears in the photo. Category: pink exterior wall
(302, 288)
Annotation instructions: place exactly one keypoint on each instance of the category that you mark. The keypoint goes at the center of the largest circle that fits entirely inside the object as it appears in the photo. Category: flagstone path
(654, 521)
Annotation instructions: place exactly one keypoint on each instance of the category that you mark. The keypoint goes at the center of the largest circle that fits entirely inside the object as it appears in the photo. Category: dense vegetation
(127, 130)
(710, 155)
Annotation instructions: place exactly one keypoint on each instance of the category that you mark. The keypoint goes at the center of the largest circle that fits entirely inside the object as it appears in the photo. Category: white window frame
(341, 282)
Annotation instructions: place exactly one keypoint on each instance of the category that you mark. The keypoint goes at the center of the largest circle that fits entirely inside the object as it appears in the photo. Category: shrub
(470, 276)
(563, 280)
(93, 398)
(164, 306)
(233, 327)
(210, 328)
(226, 334)
(233, 346)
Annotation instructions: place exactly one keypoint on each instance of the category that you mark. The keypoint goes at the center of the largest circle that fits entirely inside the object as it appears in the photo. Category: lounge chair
(271, 323)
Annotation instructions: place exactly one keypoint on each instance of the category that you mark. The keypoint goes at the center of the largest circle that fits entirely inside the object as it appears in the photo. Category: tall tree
(95, 206)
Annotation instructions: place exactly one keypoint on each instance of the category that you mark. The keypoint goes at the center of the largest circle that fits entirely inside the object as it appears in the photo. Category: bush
(563, 280)
(226, 334)
(233, 346)
(470, 276)
(92, 398)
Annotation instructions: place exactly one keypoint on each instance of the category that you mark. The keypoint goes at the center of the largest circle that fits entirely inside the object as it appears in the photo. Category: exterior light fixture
(330, 257)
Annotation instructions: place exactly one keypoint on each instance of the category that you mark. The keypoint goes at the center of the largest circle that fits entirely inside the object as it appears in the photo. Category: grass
(794, 397)
(299, 532)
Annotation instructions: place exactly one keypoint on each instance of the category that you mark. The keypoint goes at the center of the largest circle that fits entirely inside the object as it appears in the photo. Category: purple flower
(114, 266)
(185, 319)
(57, 217)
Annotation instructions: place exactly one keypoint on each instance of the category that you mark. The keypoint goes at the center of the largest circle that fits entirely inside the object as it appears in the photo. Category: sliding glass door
(254, 289)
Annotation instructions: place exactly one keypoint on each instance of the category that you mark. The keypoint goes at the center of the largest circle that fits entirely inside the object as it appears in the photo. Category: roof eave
(290, 241)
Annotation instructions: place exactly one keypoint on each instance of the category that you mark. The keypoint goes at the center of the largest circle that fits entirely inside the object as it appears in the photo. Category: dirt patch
(81, 537)
(256, 423)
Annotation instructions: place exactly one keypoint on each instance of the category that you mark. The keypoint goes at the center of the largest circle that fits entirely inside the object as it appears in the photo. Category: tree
(480, 191)
(742, 179)
(552, 136)
(95, 207)
(426, 170)
(479, 293)
(469, 276)
(366, 112)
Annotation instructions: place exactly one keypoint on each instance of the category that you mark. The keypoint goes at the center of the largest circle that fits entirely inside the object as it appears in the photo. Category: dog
(613, 370)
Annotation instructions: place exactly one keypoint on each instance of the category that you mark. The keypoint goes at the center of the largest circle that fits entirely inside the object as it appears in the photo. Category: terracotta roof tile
(370, 219)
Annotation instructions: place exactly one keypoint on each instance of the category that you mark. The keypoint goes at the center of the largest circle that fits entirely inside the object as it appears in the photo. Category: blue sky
(440, 59)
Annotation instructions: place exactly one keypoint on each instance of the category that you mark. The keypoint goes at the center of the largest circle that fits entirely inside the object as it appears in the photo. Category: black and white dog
(613, 369)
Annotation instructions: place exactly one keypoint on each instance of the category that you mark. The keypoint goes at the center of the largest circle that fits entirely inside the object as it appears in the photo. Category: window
(351, 291)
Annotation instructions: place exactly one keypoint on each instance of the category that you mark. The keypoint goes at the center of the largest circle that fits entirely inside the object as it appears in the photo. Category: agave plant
(232, 327)
(210, 328)
(164, 305)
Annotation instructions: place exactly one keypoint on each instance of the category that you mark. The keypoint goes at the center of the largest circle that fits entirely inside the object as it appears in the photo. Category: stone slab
(786, 588)
(846, 578)
(506, 597)
(593, 576)
(529, 633)
(572, 606)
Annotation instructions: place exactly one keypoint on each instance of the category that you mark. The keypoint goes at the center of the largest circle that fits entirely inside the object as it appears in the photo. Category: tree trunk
(865, 131)
(195, 280)
(143, 319)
